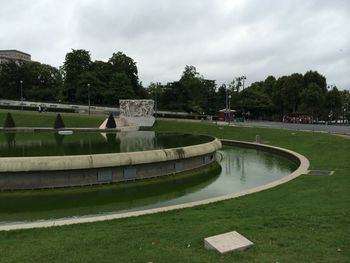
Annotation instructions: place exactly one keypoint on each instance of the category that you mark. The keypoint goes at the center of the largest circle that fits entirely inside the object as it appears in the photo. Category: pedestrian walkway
(338, 129)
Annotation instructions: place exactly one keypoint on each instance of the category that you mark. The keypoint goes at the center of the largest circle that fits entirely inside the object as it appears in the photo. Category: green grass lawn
(305, 220)
(47, 119)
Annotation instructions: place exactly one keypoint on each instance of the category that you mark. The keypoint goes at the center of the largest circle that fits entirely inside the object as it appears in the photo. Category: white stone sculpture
(137, 112)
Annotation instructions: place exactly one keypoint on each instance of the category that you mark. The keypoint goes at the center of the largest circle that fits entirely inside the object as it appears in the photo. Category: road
(339, 129)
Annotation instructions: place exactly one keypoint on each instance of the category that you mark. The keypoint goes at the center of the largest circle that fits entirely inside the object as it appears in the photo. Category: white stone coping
(73, 162)
(302, 169)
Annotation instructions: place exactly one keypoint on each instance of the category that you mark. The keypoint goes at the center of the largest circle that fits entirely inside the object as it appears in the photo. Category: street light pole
(21, 82)
(226, 100)
(156, 100)
(229, 109)
(89, 96)
(243, 78)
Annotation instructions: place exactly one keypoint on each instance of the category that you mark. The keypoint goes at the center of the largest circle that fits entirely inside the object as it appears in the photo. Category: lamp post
(243, 78)
(89, 96)
(156, 99)
(21, 82)
(226, 101)
(229, 109)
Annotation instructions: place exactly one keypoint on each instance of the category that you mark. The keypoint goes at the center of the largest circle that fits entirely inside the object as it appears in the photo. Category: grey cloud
(222, 38)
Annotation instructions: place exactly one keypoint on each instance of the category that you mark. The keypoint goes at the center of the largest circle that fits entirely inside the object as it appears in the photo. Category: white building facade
(14, 55)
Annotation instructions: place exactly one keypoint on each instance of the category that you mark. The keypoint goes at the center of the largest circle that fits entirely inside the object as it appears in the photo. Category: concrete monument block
(137, 112)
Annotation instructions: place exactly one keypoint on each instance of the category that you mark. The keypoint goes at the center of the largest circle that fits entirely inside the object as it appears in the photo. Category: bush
(111, 122)
(58, 122)
(9, 122)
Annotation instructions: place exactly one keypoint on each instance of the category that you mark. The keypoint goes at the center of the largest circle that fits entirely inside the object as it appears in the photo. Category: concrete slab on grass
(231, 241)
(320, 173)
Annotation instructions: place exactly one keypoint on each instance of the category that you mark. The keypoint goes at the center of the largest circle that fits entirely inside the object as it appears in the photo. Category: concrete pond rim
(302, 162)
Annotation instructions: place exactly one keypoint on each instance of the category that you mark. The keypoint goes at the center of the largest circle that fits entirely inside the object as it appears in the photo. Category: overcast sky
(223, 39)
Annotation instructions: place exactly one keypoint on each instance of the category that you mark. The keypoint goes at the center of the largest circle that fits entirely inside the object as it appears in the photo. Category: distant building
(14, 55)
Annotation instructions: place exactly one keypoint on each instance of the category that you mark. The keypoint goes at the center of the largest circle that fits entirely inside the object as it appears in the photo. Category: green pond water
(52, 144)
(238, 169)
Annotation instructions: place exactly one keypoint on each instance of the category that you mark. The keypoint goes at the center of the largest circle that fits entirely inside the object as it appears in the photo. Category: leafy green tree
(77, 62)
(269, 85)
(333, 103)
(221, 97)
(10, 75)
(189, 73)
(175, 97)
(291, 90)
(208, 101)
(102, 70)
(119, 87)
(234, 86)
(256, 101)
(312, 99)
(43, 82)
(189, 94)
(123, 64)
(315, 77)
(346, 103)
(39, 81)
(90, 83)
(155, 92)
(192, 87)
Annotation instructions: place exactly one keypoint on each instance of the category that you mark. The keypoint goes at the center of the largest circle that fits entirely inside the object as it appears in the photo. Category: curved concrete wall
(73, 162)
(78, 170)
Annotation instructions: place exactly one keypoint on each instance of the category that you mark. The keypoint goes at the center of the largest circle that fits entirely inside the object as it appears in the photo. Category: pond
(53, 144)
(238, 169)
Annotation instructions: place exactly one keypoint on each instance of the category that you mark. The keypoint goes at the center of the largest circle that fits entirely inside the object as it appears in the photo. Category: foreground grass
(305, 220)
(47, 119)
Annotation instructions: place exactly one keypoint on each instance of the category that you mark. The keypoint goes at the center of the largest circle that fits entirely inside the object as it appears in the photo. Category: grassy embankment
(47, 119)
(305, 220)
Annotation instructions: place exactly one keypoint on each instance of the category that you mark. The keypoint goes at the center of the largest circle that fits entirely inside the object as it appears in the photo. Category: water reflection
(59, 139)
(10, 139)
(49, 144)
(131, 141)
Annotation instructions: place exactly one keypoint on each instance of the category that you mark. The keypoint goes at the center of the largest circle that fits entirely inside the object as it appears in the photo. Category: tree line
(270, 99)
(107, 82)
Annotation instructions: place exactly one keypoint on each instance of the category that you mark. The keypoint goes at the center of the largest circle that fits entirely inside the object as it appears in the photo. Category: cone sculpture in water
(9, 122)
(58, 122)
(111, 122)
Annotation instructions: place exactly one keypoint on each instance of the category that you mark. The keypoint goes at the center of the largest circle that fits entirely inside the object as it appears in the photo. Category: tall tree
(317, 78)
(221, 97)
(193, 87)
(39, 81)
(269, 85)
(333, 103)
(10, 77)
(256, 101)
(77, 62)
(346, 104)
(44, 82)
(121, 63)
(291, 90)
(312, 99)
(119, 88)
